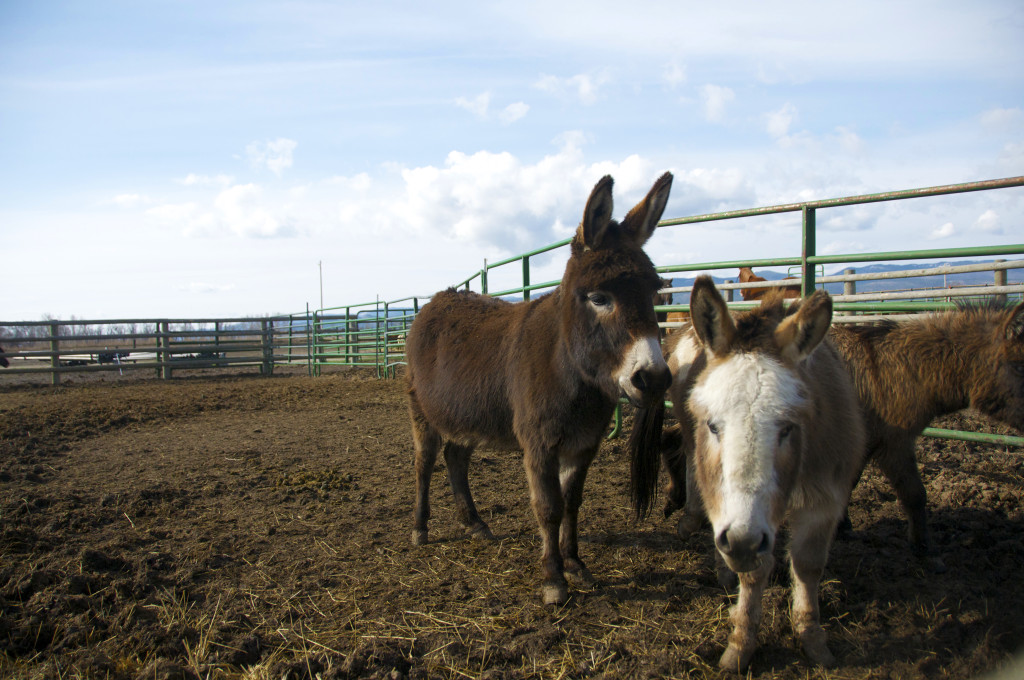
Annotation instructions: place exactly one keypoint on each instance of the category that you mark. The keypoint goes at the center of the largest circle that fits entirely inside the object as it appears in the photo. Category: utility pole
(321, 265)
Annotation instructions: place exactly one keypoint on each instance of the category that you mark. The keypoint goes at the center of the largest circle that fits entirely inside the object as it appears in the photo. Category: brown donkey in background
(544, 376)
(910, 372)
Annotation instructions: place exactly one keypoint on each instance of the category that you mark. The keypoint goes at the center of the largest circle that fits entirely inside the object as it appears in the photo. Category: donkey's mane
(754, 327)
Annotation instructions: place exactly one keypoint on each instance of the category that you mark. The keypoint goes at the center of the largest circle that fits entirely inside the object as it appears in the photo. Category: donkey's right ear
(710, 317)
(801, 332)
(642, 220)
(1014, 328)
(597, 216)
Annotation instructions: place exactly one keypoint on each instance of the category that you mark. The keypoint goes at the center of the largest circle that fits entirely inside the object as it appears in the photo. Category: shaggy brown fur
(542, 375)
(909, 373)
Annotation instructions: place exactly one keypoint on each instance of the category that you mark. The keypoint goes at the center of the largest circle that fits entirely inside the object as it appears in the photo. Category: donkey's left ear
(1014, 329)
(642, 220)
(800, 333)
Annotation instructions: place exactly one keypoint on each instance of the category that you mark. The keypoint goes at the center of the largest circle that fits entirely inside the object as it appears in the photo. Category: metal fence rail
(372, 334)
(849, 303)
(60, 347)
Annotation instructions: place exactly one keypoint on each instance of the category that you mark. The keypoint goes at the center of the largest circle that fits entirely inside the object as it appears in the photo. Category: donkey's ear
(710, 317)
(642, 220)
(1014, 329)
(597, 216)
(801, 332)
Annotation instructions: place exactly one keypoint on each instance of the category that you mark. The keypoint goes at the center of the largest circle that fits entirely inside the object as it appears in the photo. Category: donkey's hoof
(688, 525)
(735, 660)
(555, 593)
(481, 533)
(579, 575)
(419, 536)
(814, 642)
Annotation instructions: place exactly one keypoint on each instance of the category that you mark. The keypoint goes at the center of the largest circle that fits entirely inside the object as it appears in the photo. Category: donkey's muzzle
(651, 384)
(743, 549)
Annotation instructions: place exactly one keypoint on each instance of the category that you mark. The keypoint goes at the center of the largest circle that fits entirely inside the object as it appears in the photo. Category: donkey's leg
(548, 507)
(897, 462)
(572, 476)
(745, 617)
(456, 457)
(427, 441)
(682, 490)
(811, 536)
(693, 517)
(674, 460)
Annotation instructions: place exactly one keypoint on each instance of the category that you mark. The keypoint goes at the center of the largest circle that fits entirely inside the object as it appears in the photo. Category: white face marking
(681, 360)
(644, 354)
(746, 398)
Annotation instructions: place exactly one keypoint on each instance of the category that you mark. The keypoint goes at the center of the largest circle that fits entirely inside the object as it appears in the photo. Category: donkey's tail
(645, 457)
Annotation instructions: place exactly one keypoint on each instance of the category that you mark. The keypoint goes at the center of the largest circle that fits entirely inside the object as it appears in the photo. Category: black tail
(645, 457)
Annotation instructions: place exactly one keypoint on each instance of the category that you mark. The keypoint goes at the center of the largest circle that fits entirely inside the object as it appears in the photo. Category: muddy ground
(249, 527)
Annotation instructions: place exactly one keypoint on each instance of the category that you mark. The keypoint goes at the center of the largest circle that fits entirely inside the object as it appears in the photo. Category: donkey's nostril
(765, 545)
(722, 541)
(652, 381)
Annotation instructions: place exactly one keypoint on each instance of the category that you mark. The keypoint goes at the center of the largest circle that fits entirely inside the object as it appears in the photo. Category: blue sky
(195, 159)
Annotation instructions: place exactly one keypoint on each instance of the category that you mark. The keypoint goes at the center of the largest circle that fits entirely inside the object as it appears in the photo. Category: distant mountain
(916, 282)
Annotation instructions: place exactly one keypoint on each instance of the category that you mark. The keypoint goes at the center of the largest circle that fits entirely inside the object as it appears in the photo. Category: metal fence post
(1000, 280)
(526, 277)
(55, 356)
(164, 338)
(808, 251)
(266, 347)
(730, 294)
(849, 287)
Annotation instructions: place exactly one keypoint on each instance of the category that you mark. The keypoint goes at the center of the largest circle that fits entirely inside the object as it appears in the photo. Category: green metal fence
(373, 334)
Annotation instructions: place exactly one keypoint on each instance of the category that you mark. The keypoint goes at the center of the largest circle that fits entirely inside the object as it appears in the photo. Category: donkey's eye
(713, 428)
(599, 299)
(785, 431)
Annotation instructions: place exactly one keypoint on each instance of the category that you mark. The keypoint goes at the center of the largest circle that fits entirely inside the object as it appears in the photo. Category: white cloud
(715, 98)
(944, 231)
(849, 141)
(496, 199)
(478, 105)
(989, 222)
(241, 210)
(274, 155)
(583, 86)
(359, 183)
(1002, 120)
(674, 74)
(778, 122)
(841, 247)
(513, 112)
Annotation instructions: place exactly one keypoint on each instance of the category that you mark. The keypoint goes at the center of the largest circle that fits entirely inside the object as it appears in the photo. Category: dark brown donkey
(908, 373)
(543, 376)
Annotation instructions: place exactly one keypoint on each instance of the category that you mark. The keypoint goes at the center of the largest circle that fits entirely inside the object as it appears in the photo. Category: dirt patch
(260, 528)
